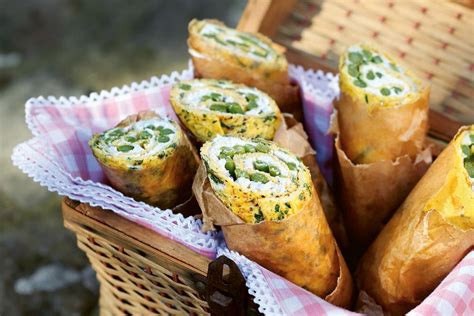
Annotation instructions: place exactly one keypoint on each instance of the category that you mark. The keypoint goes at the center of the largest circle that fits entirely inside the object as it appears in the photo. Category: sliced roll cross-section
(383, 107)
(148, 158)
(217, 107)
(220, 52)
(256, 179)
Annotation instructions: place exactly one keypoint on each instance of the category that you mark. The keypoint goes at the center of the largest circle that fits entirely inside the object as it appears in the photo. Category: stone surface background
(71, 47)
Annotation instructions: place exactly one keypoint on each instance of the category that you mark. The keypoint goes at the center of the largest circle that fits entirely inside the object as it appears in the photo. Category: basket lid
(434, 40)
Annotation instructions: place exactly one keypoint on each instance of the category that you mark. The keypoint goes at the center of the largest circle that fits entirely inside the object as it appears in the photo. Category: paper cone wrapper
(369, 194)
(429, 234)
(300, 247)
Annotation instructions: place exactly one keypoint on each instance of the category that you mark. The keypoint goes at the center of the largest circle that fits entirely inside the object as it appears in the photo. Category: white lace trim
(256, 283)
(316, 83)
(36, 159)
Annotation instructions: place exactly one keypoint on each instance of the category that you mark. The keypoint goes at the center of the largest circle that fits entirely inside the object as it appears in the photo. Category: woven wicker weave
(434, 38)
(131, 282)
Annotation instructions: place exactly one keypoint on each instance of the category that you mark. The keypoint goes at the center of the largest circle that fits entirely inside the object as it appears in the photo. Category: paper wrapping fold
(424, 240)
(300, 248)
(164, 182)
(291, 135)
(370, 193)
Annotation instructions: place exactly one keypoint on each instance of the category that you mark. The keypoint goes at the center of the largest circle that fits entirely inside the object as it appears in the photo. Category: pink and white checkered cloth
(59, 158)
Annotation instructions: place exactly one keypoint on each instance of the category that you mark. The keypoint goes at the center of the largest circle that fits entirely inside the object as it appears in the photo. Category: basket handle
(226, 290)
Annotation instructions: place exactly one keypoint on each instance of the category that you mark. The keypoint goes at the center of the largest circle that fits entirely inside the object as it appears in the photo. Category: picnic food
(148, 158)
(382, 118)
(383, 108)
(264, 199)
(428, 235)
(210, 107)
(219, 52)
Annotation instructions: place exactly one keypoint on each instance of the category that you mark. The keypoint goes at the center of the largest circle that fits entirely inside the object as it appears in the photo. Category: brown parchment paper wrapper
(300, 248)
(370, 193)
(421, 245)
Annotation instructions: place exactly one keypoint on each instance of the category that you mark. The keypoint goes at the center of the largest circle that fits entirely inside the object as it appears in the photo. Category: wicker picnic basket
(141, 272)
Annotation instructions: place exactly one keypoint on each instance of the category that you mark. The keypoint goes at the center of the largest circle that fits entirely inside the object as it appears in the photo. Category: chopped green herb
(356, 57)
(241, 174)
(252, 105)
(258, 216)
(227, 152)
(274, 171)
(385, 91)
(130, 139)
(166, 131)
(469, 165)
(259, 177)
(215, 96)
(144, 135)
(260, 54)
(471, 137)
(184, 86)
(367, 54)
(230, 166)
(163, 139)
(277, 208)
(377, 59)
(152, 127)
(370, 75)
(397, 90)
(261, 165)
(239, 149)
(249, 148)
(251, 97)
(291, 165)
(360, 83)
(353, 70)
(465, 149)
(219, 107)
(366, 98)
(394, 67)
(234, 108)
(125, 148)
(301, 196)
(205, 98)
(214, 178)
(379, 74)
(115, 133)
(262, 148)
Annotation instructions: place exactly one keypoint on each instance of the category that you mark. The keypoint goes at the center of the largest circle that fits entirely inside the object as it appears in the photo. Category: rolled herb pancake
(148, 158)
(264, 199)
(429, 234)
(383, 108)
(218, 107)
(220, 52)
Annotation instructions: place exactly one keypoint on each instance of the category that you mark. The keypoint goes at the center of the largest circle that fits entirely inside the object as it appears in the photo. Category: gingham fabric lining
(49, 117)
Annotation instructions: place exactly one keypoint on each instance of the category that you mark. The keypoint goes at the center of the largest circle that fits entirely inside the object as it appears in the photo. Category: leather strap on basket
(226, 290)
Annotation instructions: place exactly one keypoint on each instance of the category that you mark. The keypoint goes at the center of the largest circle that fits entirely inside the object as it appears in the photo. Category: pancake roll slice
(263, 198)
(210, 107)
(429, 234)
(383, 108)
(148, 158)
(220, 52)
